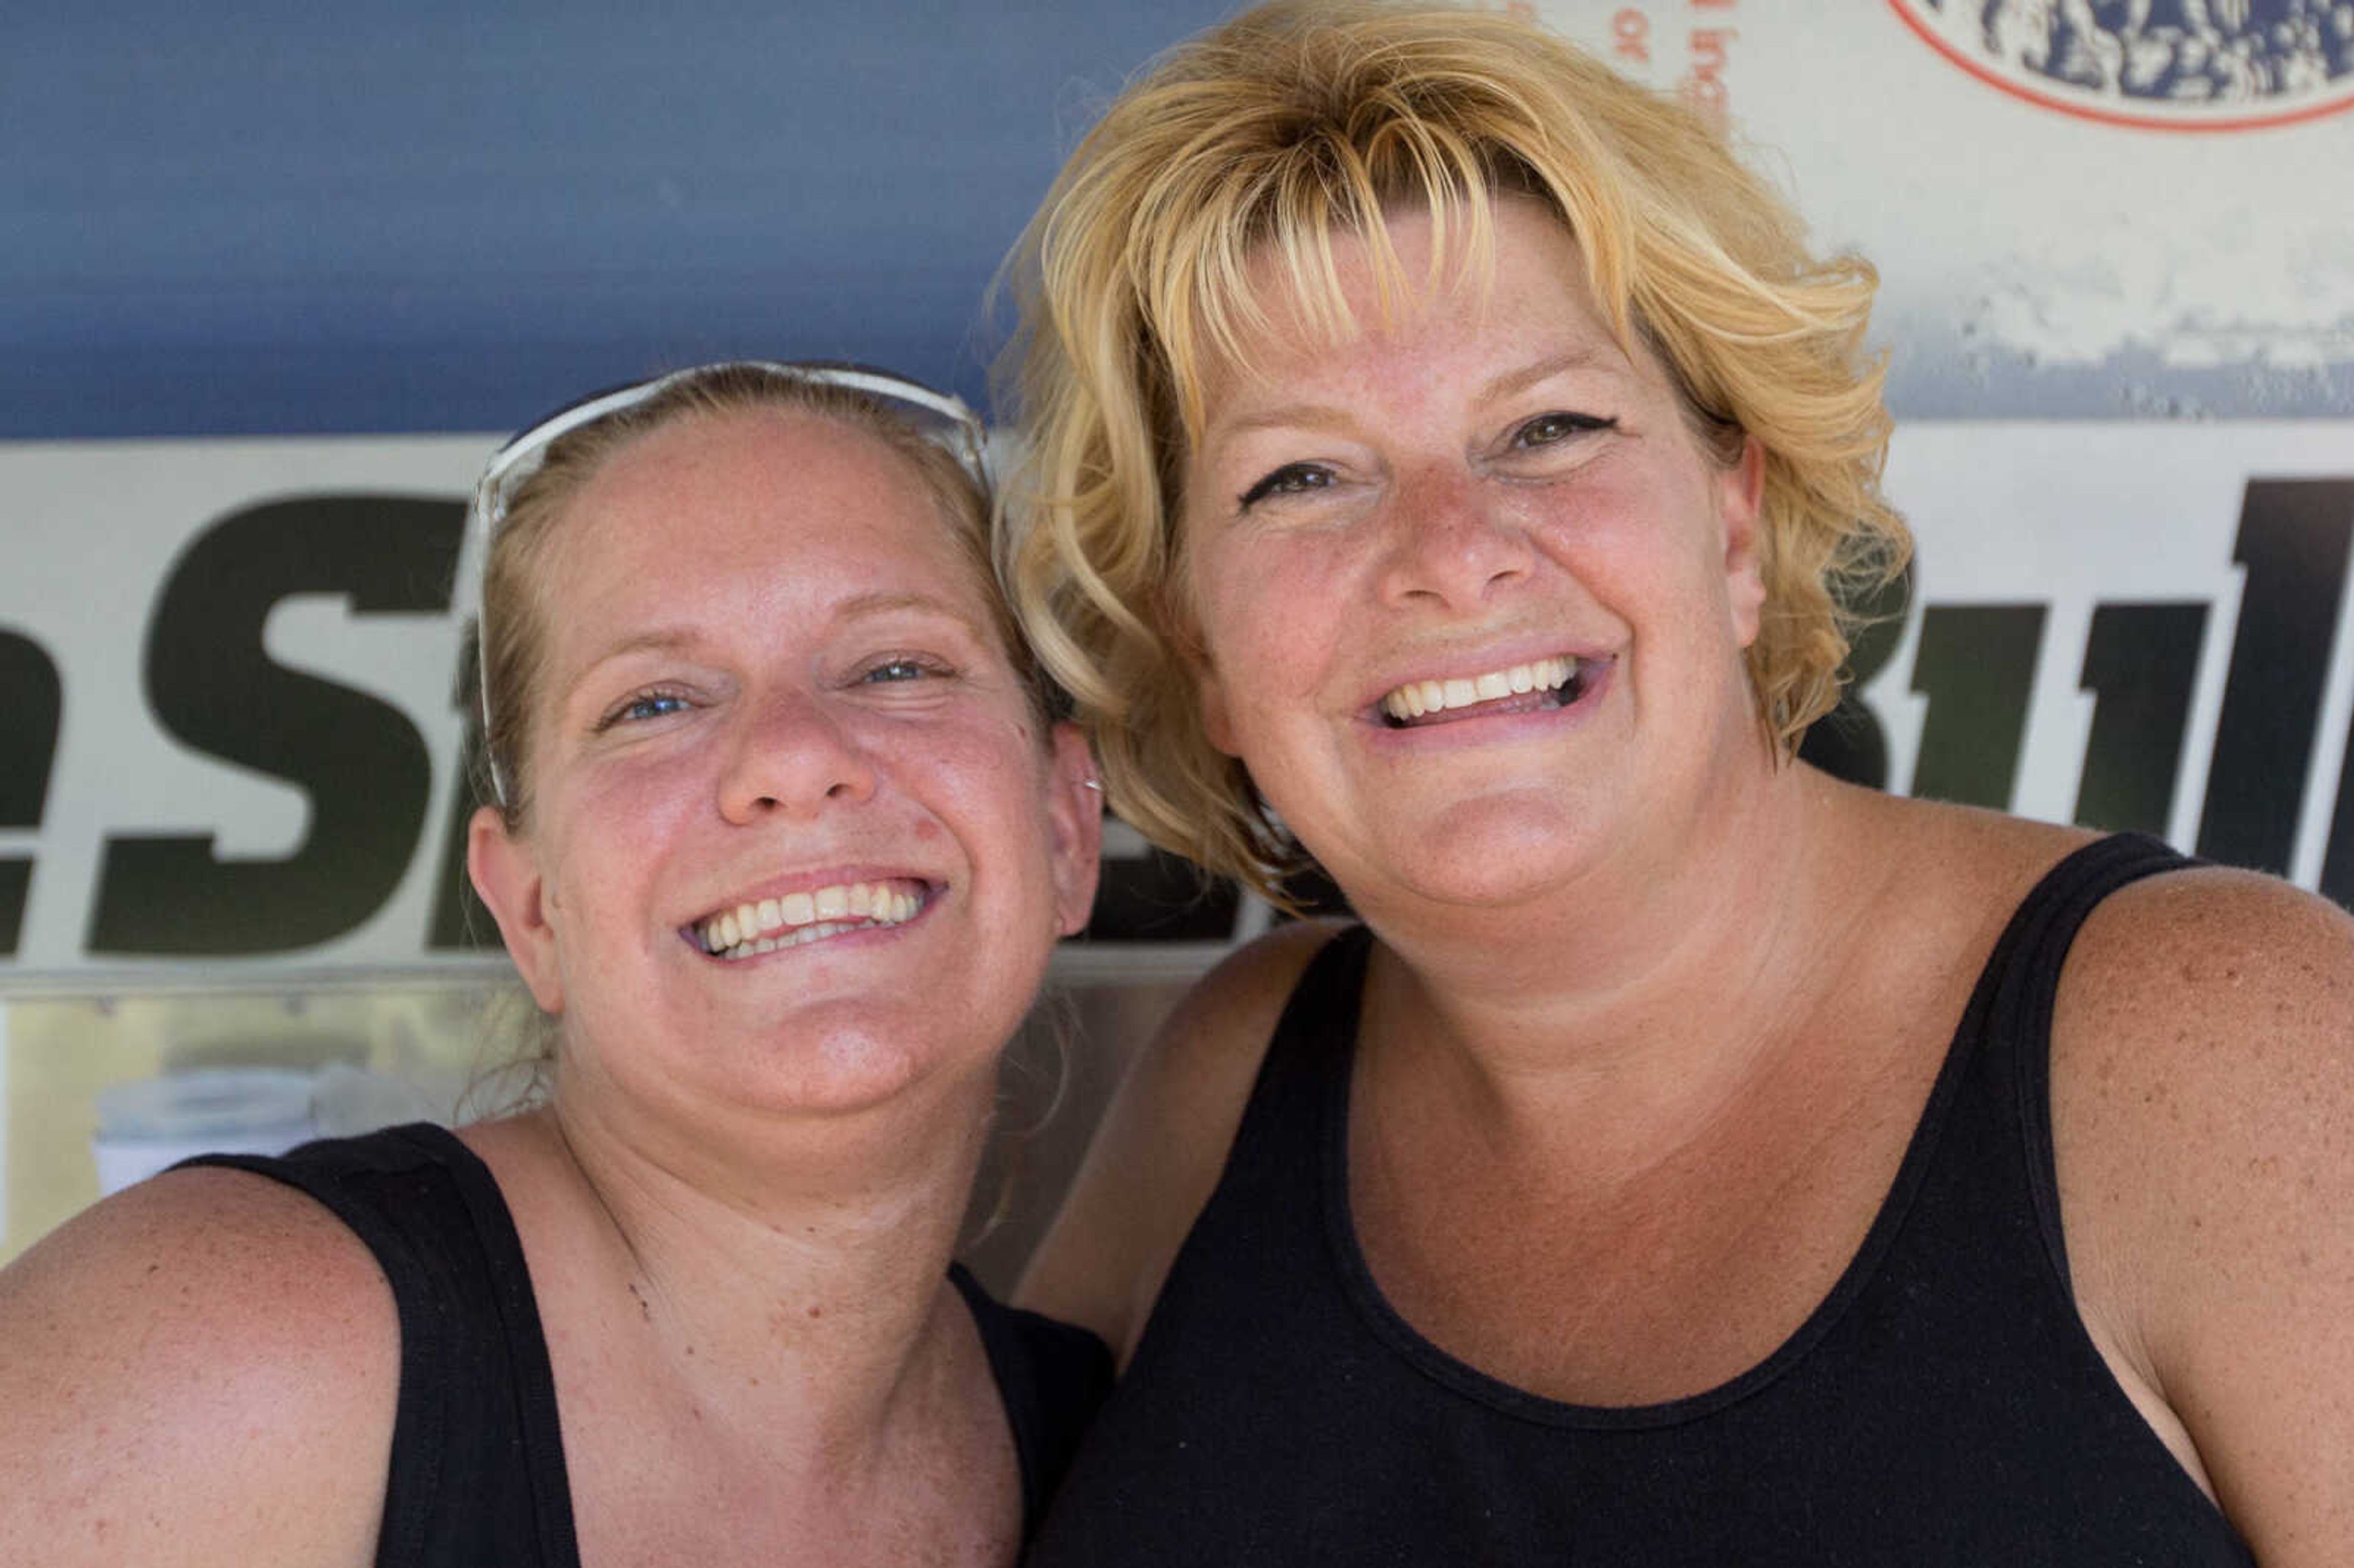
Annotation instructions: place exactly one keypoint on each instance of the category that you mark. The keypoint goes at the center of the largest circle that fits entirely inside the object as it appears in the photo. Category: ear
(1741, 491)
(506, 875)
(1074, 810)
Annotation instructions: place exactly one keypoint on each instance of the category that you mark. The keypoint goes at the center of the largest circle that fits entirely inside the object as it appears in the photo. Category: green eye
(1550, 430)
(1291, 478)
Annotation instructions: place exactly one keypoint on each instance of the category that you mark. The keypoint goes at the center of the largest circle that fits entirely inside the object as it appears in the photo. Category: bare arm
(201, 1370)
(1162, 1143)
(2203, 1114)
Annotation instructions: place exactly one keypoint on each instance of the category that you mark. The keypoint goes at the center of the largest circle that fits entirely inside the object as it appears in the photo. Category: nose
(788, 752)
(1452, 542)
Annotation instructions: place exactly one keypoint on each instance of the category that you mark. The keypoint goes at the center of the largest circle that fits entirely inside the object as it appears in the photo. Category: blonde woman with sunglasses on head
(781, 840)
(1447, 462)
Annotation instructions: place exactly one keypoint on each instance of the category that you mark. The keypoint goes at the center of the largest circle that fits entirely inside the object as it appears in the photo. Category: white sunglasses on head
(938, 416)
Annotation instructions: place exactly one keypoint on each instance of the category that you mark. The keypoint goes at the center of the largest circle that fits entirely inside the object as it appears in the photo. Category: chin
(1470, 872)
(1494, 855)
(844, 1074)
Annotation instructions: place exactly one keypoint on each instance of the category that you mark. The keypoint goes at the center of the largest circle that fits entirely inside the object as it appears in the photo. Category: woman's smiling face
(1471, 598)
(795, 839)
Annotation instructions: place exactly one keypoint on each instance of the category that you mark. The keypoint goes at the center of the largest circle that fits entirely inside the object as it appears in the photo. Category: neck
(1646, 990)
(787, 1272)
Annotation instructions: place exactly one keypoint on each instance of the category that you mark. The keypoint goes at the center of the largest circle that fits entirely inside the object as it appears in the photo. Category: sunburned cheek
(1274, 625)
(642, 797)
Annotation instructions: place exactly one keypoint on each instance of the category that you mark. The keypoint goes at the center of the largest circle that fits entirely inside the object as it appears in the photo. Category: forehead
(783, 504)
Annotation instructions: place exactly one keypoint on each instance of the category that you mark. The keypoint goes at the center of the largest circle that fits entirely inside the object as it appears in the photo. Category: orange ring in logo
(2110, 117)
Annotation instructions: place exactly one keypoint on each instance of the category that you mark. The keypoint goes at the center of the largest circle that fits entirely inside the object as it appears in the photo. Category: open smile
(1534, 687)
(748, 931)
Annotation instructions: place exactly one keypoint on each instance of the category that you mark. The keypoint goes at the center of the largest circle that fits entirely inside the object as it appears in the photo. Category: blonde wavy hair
(1294, 121)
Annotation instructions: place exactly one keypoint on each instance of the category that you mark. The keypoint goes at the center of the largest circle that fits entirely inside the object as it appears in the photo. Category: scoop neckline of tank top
(1391, 1327)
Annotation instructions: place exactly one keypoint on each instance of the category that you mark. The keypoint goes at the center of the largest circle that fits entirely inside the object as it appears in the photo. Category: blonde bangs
(1202, 296)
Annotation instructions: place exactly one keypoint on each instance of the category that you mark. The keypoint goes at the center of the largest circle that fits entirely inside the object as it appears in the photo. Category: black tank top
(477, 1474)
(1943, 1405)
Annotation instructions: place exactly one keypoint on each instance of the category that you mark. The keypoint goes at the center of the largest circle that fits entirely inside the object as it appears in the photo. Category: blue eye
(644, 705)
(1291, 478)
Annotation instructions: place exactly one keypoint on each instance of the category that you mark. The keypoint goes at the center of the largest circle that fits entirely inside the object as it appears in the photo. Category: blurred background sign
(277, 275)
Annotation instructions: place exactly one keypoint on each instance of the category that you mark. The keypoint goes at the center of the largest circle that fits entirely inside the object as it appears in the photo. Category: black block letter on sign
(1977, 666)
(2292, 543)
(361, 761)
(31, 700)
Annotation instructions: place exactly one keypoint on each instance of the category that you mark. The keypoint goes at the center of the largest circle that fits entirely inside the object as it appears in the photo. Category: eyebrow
(1577, 357)
(663, 640)
(858, 607)
(1328, 416)
(1288, 417)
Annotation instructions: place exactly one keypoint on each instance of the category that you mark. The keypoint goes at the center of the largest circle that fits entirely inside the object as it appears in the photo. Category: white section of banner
(2023, 243)
(2068, 516)
(2073, 515)
(93, 532)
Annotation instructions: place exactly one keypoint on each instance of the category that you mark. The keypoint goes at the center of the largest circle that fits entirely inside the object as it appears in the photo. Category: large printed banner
(2117, 250)
(235, 738)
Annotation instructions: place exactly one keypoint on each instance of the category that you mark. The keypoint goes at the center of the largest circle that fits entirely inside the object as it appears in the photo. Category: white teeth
(1416, 698)
(772, 923)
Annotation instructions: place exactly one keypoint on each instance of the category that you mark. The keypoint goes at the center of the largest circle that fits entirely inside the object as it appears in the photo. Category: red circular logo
(2156, 65)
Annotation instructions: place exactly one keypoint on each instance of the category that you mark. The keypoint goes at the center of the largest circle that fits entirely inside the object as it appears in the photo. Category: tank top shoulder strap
(1307, 1060)
(2009, 1022)
(1051, 1376)
(477, 1471)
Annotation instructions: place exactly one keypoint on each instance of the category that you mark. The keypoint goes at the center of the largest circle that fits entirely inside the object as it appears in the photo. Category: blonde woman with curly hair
(1448, 467)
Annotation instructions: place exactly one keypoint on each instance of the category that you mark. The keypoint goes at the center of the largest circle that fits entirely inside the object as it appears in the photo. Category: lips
(1534, 687)
(747, 930)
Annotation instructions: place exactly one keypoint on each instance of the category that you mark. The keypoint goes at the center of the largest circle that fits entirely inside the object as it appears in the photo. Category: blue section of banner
(259, 218)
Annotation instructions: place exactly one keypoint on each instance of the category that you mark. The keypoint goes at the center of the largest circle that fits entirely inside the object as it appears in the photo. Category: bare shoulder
(1157, 1154)
(2226, 985)
(201, 1369)
(2247, 956)
(2203, 1118)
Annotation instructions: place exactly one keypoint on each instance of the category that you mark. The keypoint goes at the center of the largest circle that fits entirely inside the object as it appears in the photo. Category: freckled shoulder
(2203, 1119)
(202, 1370)
(1162, 1143)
